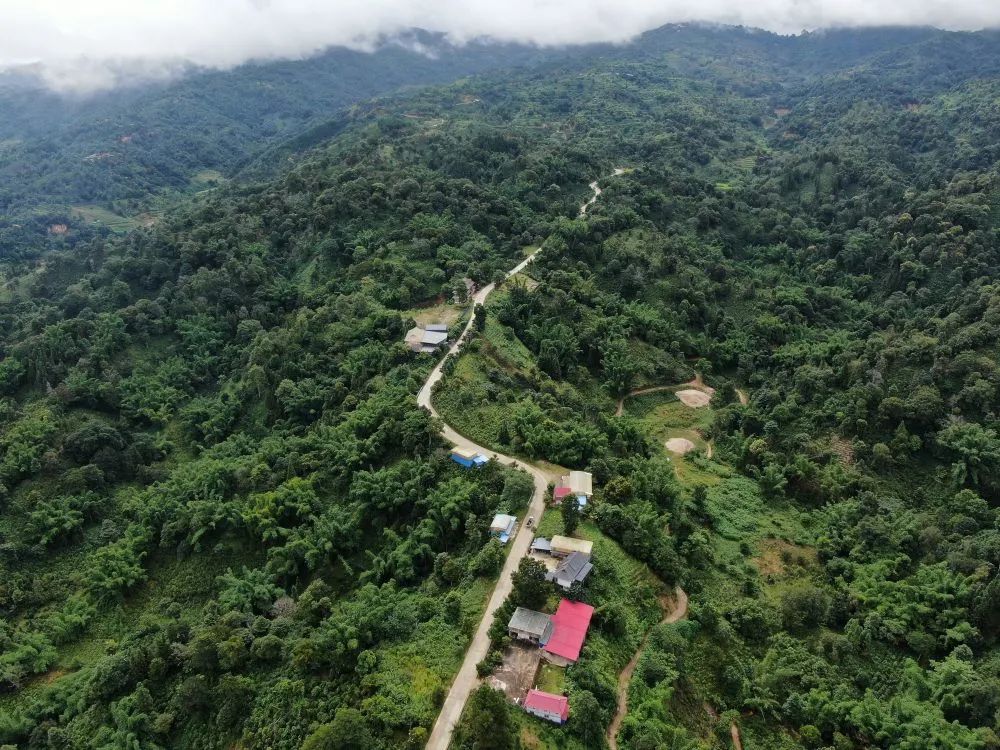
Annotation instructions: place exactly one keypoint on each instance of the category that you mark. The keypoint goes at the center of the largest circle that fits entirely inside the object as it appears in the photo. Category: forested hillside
(225, 523)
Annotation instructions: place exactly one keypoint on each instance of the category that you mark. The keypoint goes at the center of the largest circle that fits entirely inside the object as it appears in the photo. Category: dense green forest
(224, 522)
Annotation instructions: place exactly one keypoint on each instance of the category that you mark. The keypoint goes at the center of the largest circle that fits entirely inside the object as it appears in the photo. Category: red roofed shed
(559, 493)
(569, 629)
(547, 706)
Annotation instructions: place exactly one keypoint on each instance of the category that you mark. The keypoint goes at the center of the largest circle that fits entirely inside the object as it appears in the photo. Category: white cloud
(81, 44)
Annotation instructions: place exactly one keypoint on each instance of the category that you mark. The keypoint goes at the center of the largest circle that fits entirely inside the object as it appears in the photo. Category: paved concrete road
(466, 680)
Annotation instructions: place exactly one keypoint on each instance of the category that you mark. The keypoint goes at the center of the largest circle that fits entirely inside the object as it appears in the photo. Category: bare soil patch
(446, 314)
(680, 446)
(776, 555)
(58, 229)
(843, 448)
(516, 675)
(694, 399)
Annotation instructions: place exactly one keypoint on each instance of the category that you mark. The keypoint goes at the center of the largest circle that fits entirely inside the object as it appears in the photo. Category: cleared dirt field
(680, 446)
(517, 674)
(694, 399)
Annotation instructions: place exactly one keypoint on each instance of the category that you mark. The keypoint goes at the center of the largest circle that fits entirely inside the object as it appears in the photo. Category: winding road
(467, 679)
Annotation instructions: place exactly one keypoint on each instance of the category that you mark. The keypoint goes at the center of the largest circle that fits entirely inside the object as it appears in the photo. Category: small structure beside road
(503, 527)
(564, 546)
(579, 483)
(468, 458)
(531, 626)
(430, 338)
(541, 546)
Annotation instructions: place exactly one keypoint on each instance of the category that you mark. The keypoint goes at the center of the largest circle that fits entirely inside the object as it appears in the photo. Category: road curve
(467, 679)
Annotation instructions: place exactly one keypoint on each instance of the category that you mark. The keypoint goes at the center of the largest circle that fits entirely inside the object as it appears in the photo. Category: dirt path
(675, 610)
(466, 680)
(697, 382)
(734, 730)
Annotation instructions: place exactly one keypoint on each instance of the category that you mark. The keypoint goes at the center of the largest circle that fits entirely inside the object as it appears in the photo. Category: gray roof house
(576, 567)
(541, 544)
(528, 625)
(428, 339)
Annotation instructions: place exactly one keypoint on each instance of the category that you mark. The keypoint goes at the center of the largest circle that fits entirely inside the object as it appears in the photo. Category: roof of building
(434, 338)
(464, 452)
(541, 544)
(569, 629)
(502, 522)
(579, 482)
(576, 567)
(436, 327)
(556, 704)
(560, 492)
(569, 544)
(529, 621)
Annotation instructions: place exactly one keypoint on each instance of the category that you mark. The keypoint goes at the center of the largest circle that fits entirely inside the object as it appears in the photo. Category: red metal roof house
(554, 708)
(569, 629)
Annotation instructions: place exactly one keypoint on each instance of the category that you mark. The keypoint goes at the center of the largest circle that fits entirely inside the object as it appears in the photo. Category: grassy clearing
(99, 215)
(663, 417)
(551, 679)
(443, 313)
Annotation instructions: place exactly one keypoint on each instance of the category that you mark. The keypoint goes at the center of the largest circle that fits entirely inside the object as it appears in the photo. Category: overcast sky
(79, 42)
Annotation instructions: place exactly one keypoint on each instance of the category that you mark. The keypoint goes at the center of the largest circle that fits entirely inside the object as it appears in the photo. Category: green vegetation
(224, 522)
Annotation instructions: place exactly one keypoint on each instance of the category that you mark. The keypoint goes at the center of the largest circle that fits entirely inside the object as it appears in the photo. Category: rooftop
(529, 621)
(434, 338)
(503, 523)
(541, 544)
(556, 704)
(569, 544)
(579, 482)
(576, 567)
(569, 629)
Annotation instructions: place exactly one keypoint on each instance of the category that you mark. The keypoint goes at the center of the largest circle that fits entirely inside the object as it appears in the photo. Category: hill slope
(225, 521)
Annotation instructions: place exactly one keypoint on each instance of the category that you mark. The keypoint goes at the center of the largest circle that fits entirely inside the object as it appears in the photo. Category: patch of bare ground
(777, 554)
(517, 673)
(694, 399)
(58, 229)
(680, 446)
(843, 449)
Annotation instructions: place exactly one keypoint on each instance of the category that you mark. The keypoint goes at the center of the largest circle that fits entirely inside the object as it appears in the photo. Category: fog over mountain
(80, 47)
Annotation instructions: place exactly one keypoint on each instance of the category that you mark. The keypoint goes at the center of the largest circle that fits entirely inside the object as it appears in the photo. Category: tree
(587, 719)
(486, 723)
(347, 731)
(530, 589)
(570, 514)
(479, 315)
(619, 366)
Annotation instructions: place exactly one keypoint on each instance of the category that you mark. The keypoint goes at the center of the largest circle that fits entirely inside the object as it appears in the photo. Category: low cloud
(83, 46)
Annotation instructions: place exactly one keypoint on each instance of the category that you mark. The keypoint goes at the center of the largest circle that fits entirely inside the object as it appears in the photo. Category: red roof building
(554, 708)
(569, 629)
(559, 493)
